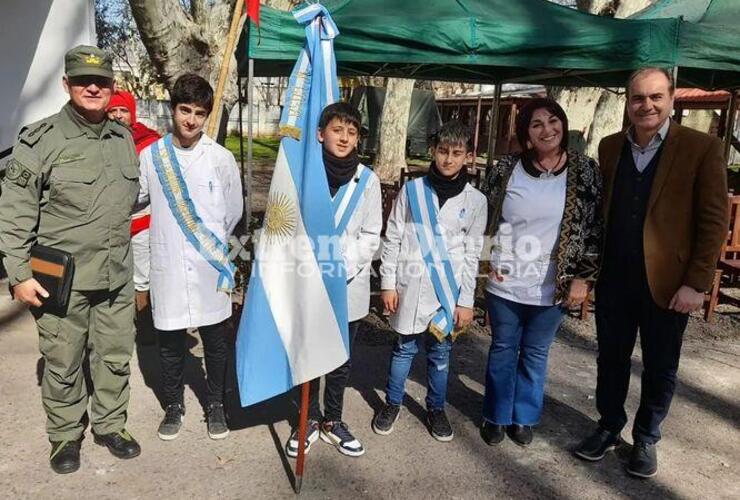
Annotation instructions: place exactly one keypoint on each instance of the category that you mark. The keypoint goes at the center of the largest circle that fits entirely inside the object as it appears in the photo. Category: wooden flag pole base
(302, 428)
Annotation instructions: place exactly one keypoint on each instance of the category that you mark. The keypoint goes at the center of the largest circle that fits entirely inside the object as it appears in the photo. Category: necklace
(547, 172)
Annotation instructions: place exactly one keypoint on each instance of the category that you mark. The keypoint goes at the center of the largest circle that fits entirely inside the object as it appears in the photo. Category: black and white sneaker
(216, 421)
(385, 418)
(337, 434)
(312, 434)
(169, 428)
(439, 425)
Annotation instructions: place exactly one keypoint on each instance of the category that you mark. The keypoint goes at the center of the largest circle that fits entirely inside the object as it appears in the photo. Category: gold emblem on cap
(94, 60)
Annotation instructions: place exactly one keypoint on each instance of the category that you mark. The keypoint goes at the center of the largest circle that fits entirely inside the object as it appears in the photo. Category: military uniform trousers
(103, 322)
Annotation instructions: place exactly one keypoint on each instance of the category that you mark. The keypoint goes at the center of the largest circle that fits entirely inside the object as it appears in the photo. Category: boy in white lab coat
(428, 273)
(357, 188)
(195, 192)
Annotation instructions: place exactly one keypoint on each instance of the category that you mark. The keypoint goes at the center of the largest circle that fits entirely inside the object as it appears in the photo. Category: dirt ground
(699, 454)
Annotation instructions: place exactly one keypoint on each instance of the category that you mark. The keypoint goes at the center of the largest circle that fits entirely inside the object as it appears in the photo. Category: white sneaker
(312, 434)
(337, 434)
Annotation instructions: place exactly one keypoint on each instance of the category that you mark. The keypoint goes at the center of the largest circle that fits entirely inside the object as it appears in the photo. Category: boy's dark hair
(192, 89)
(524, 118)
(343, 111)
(454, 132)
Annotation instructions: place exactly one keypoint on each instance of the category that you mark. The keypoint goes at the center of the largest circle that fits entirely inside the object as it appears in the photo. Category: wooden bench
(727, 274)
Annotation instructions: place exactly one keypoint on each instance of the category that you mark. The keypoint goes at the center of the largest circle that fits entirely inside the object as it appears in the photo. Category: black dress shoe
(121, 444)
(520, 434)
(643, 460)
(595, 447)
(492, 433)
(65, 456)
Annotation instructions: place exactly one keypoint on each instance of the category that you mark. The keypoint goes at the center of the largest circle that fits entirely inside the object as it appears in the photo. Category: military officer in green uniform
(71, 184)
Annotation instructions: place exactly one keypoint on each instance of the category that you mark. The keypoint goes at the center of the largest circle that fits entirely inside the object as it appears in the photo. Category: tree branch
(198, 10)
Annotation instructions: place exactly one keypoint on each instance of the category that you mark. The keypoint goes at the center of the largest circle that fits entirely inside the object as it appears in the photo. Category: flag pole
(214, 120)
(250, 145)
(302, 428)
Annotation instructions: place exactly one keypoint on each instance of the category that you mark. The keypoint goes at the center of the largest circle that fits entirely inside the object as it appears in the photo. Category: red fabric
(143, 136)
(253, 11)
(140, 224)
(125, 99)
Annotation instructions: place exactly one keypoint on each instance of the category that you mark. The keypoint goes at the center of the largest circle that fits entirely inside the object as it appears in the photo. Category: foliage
(117, 34)
(263, 148)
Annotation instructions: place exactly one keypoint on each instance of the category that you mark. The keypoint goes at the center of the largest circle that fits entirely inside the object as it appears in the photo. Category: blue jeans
(517, 360)
(438, 368)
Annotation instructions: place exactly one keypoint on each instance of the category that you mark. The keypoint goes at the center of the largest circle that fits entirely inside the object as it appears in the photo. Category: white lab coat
(463, 221)
(183, 285)
(359, 242)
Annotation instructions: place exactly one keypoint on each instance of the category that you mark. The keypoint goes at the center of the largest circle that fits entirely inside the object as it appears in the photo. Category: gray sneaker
(169, 428)
(216, 421)
(643, 460)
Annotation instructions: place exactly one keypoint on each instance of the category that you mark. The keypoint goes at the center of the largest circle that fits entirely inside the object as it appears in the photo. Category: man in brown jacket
(665, 210)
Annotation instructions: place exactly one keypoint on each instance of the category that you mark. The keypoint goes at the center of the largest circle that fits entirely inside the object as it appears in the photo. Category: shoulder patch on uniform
(17, 173)
(30, 135)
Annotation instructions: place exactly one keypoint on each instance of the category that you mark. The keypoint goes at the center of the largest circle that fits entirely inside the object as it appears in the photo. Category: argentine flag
(294, 322)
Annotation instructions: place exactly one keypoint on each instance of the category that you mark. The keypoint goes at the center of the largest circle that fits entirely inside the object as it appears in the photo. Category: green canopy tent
(708, 47)
(708, 51)
(489, 41)
(496, 41)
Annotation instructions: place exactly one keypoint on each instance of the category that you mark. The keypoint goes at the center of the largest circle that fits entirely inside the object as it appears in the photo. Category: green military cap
(85, 60)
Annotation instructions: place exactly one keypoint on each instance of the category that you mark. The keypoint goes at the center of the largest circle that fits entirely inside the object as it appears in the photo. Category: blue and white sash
(348, 197)
(175, 190)
(424, 211)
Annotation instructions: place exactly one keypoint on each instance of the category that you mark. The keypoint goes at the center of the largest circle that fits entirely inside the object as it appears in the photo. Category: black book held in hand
(53, 269)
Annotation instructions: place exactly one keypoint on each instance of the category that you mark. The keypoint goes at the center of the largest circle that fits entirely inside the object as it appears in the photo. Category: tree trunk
(594, 113)
(179, 41)
(393, 124)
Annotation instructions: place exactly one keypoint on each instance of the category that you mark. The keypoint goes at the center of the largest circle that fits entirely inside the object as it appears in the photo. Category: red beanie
(121, 98)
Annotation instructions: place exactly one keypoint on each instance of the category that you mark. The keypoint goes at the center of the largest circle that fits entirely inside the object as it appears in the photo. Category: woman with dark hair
(545, 220)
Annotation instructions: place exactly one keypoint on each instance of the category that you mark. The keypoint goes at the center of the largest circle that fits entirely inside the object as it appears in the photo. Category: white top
(524, 249)
(360, 241)
(463, 221)
(183, 285)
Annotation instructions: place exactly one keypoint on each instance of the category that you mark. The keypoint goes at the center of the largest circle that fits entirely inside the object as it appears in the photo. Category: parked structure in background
(701, 110)
(423, 122)
(707, 111)
(474, 109)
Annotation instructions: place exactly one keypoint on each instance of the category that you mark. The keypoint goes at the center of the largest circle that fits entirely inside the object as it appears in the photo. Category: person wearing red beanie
(122, 108)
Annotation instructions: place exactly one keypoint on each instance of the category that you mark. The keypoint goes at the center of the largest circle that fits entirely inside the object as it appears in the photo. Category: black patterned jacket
(579, 244)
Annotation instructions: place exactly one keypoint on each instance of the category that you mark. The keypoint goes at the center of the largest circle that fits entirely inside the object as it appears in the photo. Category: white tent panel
(34, 35)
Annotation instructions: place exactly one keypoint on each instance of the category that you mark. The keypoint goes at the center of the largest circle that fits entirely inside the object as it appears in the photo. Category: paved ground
(699, 455)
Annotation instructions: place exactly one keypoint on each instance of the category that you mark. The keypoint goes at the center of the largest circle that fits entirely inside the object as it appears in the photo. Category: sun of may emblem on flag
(280, 217)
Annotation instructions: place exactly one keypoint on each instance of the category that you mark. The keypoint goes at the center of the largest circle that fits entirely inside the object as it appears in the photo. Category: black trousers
(334, 384)
(172, 351)
(624, 305)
